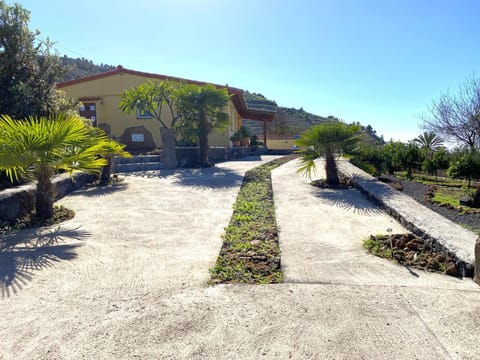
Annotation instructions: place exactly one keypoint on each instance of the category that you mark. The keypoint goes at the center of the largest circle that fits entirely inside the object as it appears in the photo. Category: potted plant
(244, 136)
(235, 138)
(254, 143)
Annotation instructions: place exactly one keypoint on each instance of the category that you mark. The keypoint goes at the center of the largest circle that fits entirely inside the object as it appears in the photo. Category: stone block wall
(19, 201)
(187, 156)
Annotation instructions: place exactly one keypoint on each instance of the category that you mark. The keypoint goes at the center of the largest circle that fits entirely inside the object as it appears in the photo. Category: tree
(38, 147)
(429, 142)
(370, 158)
(465, 165)
(439, 160)
(28, 69)
(158, 98)
(410, 158)
(329, 139)
(201, 109)
(457, 117)
(402, 156)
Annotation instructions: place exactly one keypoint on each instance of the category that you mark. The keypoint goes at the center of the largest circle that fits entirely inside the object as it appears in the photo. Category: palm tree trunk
(106, 172)
(331, 170)
(45, 193)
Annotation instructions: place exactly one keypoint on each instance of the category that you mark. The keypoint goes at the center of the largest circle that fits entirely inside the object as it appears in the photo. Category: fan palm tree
(429, 142)
(329, 139)
(38, 147)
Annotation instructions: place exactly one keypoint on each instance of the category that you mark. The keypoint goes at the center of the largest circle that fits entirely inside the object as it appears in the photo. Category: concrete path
(126, 279)
(322, 230)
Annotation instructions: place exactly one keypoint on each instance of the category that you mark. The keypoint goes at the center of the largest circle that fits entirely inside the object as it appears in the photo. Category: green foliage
(28, 69)
(400, 156)
(465, 165)
(369, 158)
(201, 111)
(158, 98)
(329, 139)
(244, 132)
(429, 142)
(236, 136)
(38, 147)
(440, 159)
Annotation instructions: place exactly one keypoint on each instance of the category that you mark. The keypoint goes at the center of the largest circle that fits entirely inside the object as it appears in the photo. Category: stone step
(138, 159)
(141, 166)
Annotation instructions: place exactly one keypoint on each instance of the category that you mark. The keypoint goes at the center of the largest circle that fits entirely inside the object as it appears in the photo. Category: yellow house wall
(284, 144)
(110, 88)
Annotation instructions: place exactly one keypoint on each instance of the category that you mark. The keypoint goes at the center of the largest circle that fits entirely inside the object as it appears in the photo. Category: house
(100, 95)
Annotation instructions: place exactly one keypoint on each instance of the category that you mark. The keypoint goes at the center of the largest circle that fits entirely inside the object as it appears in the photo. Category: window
(144, 114)
(92, 107)
(82, 108)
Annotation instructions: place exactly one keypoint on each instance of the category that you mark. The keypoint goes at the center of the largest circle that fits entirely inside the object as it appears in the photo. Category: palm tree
(38, 147)
(328, 139)
(429, 142)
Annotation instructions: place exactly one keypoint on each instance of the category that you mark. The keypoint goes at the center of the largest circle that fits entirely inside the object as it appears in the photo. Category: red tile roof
(237, 94)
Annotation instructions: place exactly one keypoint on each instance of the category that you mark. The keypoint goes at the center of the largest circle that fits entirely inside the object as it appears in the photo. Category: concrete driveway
(127, 278)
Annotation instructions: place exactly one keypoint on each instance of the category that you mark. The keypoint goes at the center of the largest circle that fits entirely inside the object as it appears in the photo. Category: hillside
(288, 121)
(80, 67)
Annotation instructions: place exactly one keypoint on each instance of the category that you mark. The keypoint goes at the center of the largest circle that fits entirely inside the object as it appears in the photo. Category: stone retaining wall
(187, 156)
(440, 233)
(19, 201)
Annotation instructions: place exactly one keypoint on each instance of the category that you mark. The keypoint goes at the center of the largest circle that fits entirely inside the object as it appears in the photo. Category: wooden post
(476, 277)
(265, 134)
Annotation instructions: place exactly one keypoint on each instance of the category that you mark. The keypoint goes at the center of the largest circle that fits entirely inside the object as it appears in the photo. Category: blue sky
(379, 62)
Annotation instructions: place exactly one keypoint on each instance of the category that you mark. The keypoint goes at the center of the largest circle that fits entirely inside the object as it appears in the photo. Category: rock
(440, 258)
(476, 199)
(410, 255)
(433, 264)
(452, 270)
(138, 138)
(412, 245)
(400, 244)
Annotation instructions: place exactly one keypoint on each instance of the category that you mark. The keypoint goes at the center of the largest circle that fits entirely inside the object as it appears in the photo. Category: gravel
(416, 190)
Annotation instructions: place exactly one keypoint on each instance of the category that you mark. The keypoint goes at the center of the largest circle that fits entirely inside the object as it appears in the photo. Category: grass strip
(250, 252)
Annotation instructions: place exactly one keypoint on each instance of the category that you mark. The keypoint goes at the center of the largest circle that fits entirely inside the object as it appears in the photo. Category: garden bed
(250, 252)
(467, 219)
(410, 250)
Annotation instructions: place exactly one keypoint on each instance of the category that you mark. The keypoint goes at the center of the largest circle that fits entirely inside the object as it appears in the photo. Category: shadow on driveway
(349, 200)
(101, 189)
(213, 178)
(25, 251)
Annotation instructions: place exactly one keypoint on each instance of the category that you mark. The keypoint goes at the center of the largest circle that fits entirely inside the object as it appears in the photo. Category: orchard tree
(465, 165)
(28, 68)
(439, 160)
(457, 117)
(158, 98)
(201, 111)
